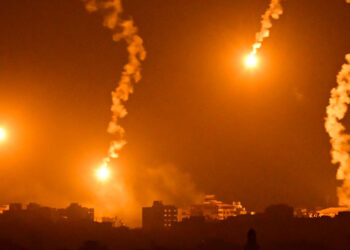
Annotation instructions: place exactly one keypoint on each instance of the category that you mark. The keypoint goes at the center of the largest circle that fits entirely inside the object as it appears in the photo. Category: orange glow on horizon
(251, 61)
(103, 173)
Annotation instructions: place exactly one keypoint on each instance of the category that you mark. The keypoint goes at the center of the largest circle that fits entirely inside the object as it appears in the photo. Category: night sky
(251, 135)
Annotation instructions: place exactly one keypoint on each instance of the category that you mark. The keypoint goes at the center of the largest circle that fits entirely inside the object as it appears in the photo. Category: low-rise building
(74, 212)
(212, 209)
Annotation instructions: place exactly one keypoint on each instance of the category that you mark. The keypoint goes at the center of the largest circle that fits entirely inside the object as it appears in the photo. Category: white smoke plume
(336, 110)
(274, 11)
(340, 140)
(126, 30)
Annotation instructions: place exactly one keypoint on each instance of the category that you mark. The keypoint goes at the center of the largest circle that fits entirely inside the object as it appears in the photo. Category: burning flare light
(132, 70)
(103, 172)
(251, 61)
(340, 140)
(273, 12)
(2, 134)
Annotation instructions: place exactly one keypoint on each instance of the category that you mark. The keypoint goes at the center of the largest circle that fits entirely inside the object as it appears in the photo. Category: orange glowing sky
(254, 135)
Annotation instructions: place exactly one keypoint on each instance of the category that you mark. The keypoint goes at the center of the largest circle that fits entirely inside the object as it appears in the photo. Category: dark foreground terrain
(271, 233)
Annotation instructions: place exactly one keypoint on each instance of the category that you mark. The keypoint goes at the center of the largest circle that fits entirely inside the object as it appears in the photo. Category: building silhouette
(75, 212)
(37, 227)
(251, 243)
(159, 216)
(34, 211)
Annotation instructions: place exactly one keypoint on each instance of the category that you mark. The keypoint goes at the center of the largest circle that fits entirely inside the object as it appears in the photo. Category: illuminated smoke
(273, 12)
(336, 110)
(122, 30)
(131, 189)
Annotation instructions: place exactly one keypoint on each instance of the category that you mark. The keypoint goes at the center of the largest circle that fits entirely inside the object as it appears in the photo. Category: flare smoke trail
(336, 110)
(132, 188)
(132, 70)
(340, 140)
(273, 12)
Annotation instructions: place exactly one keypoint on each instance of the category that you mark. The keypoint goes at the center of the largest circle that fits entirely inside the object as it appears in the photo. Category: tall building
(159, 216)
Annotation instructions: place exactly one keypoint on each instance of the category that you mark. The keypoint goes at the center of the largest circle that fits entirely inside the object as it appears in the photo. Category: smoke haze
(130, 189)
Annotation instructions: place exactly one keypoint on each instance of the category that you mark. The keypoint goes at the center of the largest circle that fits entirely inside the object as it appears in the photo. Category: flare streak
(339, 138)
(122, 30)
(274, 11)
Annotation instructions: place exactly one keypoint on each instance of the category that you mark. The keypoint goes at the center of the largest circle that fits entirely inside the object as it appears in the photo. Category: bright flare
(251, 61)
(2, 134)
(103, 173)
